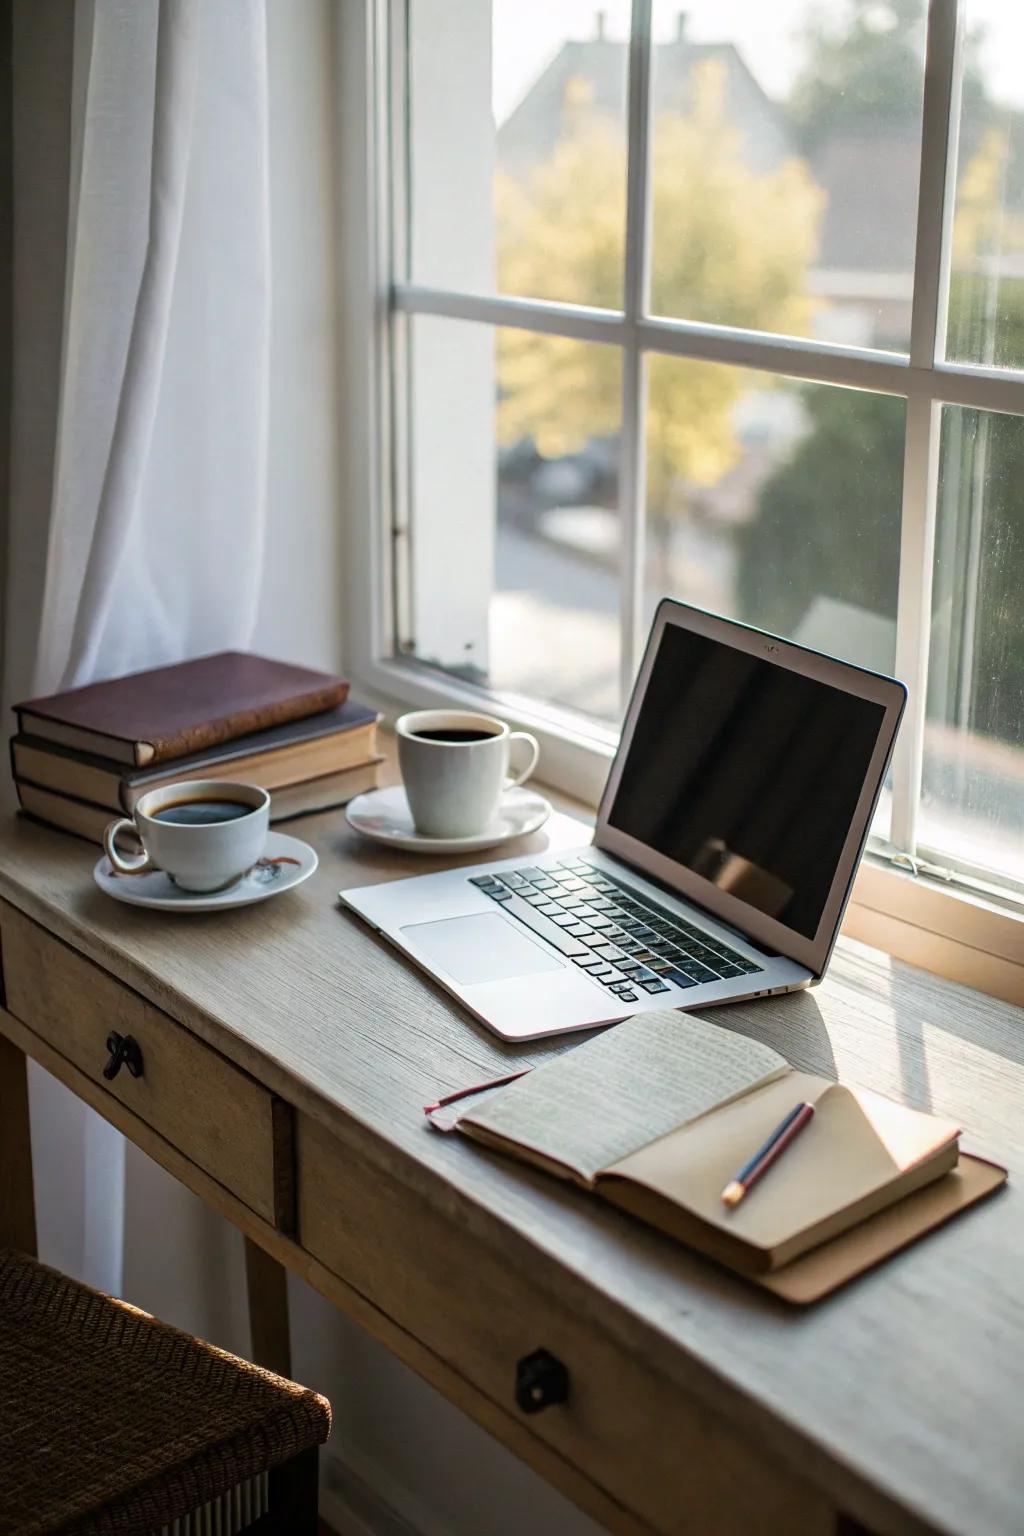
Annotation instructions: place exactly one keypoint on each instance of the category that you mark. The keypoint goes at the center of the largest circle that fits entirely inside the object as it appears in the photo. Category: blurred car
(530, 485)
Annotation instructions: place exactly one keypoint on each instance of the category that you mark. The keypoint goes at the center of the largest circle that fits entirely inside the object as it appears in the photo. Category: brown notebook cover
(166, 712)
(853, 1253)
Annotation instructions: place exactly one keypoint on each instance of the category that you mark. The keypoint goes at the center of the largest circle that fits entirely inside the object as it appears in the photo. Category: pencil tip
(733, 1193)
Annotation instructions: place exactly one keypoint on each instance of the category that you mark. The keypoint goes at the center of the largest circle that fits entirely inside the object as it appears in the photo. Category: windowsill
(945, 930)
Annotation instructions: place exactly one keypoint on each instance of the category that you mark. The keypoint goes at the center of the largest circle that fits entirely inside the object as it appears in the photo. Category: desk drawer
(221, 1119)
(672, 1465)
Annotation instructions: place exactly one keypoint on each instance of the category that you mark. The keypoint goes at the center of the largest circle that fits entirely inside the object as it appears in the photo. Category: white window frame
(378, 299)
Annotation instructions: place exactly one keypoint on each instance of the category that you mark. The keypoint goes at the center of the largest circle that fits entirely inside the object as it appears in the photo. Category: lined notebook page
(616, 1093)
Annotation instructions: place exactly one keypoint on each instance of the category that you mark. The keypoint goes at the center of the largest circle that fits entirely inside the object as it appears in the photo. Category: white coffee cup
(455, 766)
(203, 833)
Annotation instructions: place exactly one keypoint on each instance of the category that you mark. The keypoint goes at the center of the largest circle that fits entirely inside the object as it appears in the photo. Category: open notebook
(658, 1114)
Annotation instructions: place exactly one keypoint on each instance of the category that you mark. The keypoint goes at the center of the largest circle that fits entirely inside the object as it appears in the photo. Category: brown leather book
(168, 712)
(283, 755)
(310, 798)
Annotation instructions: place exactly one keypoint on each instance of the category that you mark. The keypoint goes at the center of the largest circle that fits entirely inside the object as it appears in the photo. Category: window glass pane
(986, 289)
(973, 780)
(514, 547)
(785, 149)
(778, 504)
(517, 147)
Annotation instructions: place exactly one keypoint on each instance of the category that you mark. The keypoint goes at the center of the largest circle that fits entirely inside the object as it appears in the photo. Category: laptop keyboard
(627, 944)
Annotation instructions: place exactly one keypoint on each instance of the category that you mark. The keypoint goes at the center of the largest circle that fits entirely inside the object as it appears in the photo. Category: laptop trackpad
(483, 947)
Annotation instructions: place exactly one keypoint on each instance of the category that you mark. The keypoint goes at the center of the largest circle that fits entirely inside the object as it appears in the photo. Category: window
(723, 303)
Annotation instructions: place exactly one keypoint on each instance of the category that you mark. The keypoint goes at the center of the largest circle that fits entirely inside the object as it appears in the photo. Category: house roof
(530, 133)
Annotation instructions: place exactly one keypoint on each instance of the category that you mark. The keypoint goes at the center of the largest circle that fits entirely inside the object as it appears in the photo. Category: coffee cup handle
(138, 866)
(534, 745)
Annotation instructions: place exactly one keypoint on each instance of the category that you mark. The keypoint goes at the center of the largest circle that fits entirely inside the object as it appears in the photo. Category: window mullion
(921, 456)
(632, 457)
(395, 413)
(939, 132)
(914, 604)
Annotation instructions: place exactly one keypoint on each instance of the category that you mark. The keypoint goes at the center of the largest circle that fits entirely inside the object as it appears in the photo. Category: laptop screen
(746, 773)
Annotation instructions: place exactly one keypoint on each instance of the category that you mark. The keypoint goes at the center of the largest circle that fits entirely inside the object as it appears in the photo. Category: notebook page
(858, 1143)
(616, 1093)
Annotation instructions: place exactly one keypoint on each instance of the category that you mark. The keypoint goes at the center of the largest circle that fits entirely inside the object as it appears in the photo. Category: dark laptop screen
(746, 773)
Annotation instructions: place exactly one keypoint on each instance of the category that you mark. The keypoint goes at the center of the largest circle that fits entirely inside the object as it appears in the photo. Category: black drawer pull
(541, 1381)
(124, 1052)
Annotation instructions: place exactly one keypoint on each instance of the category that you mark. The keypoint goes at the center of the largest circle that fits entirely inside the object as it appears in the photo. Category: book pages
(858, 1148)
(627, 1087)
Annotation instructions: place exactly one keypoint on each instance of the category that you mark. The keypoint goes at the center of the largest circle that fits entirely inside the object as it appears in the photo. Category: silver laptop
(726, 844)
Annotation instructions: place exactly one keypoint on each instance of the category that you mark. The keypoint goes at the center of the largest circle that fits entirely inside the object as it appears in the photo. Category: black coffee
(454, 735)
(201, 813)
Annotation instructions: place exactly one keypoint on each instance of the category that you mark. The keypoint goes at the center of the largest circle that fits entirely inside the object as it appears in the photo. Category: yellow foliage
(729, 246)
(982, 225)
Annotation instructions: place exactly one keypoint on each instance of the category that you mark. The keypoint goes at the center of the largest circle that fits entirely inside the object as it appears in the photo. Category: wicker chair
(113, 1424)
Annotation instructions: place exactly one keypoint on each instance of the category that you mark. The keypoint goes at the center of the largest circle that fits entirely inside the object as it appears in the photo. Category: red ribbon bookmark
(464, 1093)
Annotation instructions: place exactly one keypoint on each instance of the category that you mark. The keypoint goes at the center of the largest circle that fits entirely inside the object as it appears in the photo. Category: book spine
(59, 826)
(242, 723)
(79, 811)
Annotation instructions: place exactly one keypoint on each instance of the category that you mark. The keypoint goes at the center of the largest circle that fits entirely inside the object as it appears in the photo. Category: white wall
(300, 609)
(451, 124)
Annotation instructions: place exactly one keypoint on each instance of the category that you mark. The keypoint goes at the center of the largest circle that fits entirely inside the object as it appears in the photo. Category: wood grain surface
(266, 1284)
(898, 1398)
(220, 1117)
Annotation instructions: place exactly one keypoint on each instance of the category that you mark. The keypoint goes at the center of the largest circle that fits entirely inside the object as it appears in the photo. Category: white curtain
(139, 392)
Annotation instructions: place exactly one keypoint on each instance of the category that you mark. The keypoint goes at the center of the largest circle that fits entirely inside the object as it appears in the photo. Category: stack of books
(82, 757)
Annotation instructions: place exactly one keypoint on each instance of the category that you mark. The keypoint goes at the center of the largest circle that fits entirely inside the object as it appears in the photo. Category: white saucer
(257, 884)
(384, 815)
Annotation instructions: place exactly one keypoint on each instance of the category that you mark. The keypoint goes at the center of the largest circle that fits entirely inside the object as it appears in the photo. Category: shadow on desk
(793, 1025)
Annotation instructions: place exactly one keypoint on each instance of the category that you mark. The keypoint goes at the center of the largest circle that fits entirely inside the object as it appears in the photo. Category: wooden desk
(288, 1053)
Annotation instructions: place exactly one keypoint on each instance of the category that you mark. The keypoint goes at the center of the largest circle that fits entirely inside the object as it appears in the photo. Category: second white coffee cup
(455, 767)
